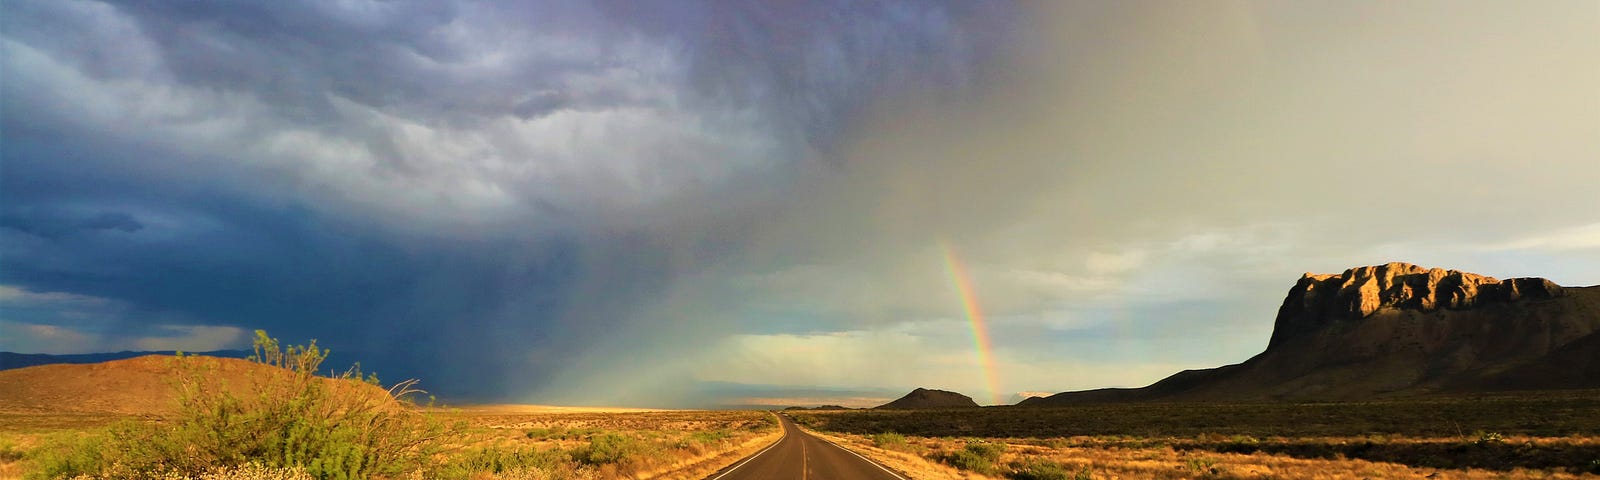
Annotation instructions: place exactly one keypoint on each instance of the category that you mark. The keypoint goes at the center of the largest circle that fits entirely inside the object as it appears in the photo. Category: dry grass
(1118, 458)
(515, 409)
(1514, 436)
(653, 444)
(664, 444)
(910, 463)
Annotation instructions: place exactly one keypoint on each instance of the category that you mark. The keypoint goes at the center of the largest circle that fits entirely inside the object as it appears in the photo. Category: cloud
(192, 338)
(473, 193)
(58, 339)
(63, 322)
(1154, 179)
(13, 297)
(1582, 237)
(606, 202)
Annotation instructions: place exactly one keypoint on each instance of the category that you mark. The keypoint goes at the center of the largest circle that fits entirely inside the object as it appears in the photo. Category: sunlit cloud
(602, 202)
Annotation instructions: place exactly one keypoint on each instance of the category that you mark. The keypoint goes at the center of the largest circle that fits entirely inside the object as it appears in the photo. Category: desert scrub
(331, 429)
(561, 433)
(709, 437)
(1036, 469)
(67, 455)
(530, 463)
(10, 452)
(1202, 465)
(978, 456)
(613, 448)
(890, 441)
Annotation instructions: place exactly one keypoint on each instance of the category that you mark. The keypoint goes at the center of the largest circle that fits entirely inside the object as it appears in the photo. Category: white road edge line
(852, 452)
(874, 463)
(764, 450)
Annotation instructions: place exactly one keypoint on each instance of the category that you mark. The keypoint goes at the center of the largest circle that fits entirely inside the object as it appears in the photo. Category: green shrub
(1203, 466)
(561, 433)
(889, 441)
(10, 452)
(472, 463)
(295, 419)
(67, 456)
(610, 448)
(1047, 470)
(709, 437)
(977, 456)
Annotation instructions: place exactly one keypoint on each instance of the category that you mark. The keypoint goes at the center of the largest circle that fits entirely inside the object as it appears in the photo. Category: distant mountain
(9, 360)
(925, 398)
(1022, 396)
(820, 407)
(1398, 330)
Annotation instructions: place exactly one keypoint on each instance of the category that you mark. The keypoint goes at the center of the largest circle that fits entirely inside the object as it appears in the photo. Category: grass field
(1547, 435)
(279, 416)
(275, 417)
(503, 442)
(1542, 435)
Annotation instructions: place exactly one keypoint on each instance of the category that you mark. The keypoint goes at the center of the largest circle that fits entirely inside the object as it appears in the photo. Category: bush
(1046, 470)
(890, 441)
(561, 433)
(977, 456)
(67, 456)
(709, 437)
(10, 452)
(256, 471)
(295, 419)
(611, 448)
(1203, 466)
(521, 463)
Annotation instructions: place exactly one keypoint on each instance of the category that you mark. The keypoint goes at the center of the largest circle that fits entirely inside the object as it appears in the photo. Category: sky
(706, 203)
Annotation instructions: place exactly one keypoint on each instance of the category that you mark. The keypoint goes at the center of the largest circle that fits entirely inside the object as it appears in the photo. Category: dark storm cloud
(820, 63)
(53, 225)
(380, 175)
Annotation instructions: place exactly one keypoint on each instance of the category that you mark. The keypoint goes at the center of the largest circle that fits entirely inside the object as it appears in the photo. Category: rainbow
(980, 331)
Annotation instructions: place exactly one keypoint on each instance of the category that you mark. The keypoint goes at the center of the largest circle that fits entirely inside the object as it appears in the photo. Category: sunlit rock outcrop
(1320, 299)
(1400, 329)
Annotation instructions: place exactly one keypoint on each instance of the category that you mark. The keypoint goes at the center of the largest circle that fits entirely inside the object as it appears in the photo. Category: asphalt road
(801, 456)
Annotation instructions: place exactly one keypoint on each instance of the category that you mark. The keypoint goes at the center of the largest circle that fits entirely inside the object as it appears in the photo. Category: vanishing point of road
(802, 456)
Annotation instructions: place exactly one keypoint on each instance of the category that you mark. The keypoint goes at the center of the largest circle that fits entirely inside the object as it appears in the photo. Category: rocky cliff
(1400, 329)
(1319, 300)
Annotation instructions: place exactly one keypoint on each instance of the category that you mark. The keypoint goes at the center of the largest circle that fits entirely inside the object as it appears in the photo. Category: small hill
(926, 398)
(139, 386)
(10, 360)
(1398, 330)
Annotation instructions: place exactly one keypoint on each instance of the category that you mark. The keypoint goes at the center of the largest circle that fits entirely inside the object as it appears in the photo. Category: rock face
(926, 398)
(1319, 300)
(1400, 329)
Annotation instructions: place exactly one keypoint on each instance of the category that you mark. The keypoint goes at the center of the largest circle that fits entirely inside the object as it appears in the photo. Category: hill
(10, 360)
(926, 398)
(138, 386)
(1400, 330)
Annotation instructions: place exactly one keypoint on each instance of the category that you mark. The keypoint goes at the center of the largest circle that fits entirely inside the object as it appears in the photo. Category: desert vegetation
(282, 419)
(1533, 435)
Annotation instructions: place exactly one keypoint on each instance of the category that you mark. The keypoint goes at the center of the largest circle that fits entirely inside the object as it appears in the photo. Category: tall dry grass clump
(335, 427)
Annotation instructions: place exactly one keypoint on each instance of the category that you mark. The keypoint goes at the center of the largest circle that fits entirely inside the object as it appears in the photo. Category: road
(802, 456)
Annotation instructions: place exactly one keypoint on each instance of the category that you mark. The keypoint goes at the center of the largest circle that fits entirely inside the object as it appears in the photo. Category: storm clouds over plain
(594, 203)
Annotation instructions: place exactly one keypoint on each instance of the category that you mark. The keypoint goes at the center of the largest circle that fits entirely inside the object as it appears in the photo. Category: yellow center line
(805, 468)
